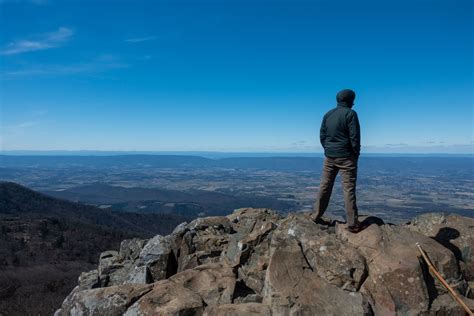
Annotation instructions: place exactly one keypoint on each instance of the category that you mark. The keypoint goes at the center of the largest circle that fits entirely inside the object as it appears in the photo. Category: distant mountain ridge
(46, 242)
(21, 201)
(158, 200)
(289, 163)
(104, 193)
(217, 154)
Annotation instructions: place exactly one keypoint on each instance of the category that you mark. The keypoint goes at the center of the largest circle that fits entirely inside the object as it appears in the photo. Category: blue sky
(234, 75)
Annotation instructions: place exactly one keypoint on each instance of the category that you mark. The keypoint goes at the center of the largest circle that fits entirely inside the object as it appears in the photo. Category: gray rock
(203, 243)
(396, 282)
(336, 261)
(293, 288)
(155, 255)
(244, 220)
(138, 275)
(89, 280)
(112, 270)
(130, 248)
(215, 222)
(167, 298)
(253, 271)
(250, 298)
(107, 260)
(214, 282)
(248, 248)
(109, 301)
(445, 305)
(180, 229)
(86, 281)
(249, 309)
(254, 262)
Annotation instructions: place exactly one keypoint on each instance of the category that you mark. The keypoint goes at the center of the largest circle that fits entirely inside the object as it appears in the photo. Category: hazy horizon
(217, 154)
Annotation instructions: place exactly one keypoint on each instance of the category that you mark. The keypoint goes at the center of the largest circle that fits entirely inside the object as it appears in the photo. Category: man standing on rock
(340, 138)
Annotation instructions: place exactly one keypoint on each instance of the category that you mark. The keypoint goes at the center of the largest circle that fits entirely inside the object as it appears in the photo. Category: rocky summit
(257, 262)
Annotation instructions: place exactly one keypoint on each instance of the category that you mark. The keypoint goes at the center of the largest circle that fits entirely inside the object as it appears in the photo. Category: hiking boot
(356, 228)
(321, 221)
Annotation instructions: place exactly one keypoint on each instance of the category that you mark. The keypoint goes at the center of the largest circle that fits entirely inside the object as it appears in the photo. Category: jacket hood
(345, 97)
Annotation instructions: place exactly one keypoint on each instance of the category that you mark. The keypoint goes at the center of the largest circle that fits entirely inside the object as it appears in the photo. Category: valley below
(59, 214)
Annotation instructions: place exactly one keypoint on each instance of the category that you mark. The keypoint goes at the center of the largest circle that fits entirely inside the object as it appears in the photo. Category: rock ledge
(256, 262)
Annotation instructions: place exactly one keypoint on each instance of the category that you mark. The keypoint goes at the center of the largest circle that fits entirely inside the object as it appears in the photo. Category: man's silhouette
(340, 138)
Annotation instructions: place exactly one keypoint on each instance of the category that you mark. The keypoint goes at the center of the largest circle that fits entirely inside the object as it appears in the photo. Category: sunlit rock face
(452, 231)
(257, 262)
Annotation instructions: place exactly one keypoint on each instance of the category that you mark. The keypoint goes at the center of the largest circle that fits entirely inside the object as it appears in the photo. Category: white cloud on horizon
(21, 125)
(11, 133)
(140, 39)
(99, 64)
(39, 2)
(35, 2)
(396, 145)
(46, 41)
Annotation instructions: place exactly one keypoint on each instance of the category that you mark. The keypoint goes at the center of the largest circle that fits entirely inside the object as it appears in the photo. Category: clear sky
(234, 75)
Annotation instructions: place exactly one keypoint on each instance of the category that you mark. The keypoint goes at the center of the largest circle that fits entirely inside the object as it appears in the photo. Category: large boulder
(334, 260)
(138, 262)
(112, 269)
(213, 282)
(130, 248)
(253, 271)
(89, 280)
(184, 293)
(119, 267)
(244, 220)
(158, 257)
(138, 275)
(293, 287)
(167, 298)
(398, 281)
(202, 241)
(445, 305)
(219, 223)
(108, 301)
(453, 231)
(86, 281)
(248, 248)
(248, 309)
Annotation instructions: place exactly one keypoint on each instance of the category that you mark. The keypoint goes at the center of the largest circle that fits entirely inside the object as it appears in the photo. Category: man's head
(346, 97)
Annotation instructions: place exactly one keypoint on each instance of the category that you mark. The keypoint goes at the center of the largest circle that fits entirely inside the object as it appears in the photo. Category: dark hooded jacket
(340, 129)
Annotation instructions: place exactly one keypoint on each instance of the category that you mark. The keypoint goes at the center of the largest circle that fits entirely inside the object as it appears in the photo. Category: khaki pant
(348, 168)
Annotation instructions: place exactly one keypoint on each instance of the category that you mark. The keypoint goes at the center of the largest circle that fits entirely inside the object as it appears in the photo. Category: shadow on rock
(370, 220)
(444, 237)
